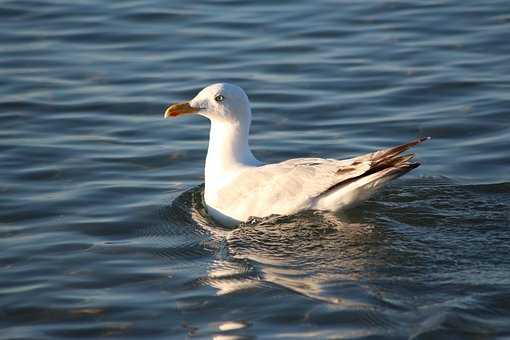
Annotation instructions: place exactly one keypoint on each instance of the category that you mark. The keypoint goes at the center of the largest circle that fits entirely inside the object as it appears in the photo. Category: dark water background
(102, 232)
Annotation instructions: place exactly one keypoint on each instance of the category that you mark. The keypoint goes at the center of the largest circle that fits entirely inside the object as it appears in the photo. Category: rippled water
(102, 230)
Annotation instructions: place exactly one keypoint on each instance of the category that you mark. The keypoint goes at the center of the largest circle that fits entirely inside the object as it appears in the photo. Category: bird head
(220, 102)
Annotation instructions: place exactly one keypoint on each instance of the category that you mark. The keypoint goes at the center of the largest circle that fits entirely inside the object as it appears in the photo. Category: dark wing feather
(386, 159)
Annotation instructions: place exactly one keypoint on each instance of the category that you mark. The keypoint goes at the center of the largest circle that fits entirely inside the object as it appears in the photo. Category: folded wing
(296, 184)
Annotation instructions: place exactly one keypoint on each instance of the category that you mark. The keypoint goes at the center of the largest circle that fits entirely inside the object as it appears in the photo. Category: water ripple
(102, 228)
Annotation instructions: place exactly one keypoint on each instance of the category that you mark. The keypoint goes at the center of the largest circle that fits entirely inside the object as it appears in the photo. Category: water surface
(102, 229)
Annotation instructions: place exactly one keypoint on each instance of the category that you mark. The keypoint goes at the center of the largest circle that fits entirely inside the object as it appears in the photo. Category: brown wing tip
(412, 166)
(401, 169)
(416, 141)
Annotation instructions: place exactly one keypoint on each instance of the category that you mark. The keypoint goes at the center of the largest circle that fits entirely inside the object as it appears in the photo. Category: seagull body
(238, 186)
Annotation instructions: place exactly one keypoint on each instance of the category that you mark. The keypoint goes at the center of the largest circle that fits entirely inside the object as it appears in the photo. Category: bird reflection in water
(313, 254)
(317, 254)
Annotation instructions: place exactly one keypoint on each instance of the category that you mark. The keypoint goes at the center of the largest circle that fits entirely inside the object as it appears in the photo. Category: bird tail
(385, 165)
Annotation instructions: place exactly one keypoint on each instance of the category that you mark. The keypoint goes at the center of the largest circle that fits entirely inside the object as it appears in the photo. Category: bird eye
(219, 98)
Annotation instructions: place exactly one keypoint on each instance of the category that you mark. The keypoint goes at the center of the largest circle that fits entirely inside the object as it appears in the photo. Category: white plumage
(238, 186)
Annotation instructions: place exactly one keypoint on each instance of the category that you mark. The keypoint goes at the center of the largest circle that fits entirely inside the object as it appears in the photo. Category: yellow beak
(179, 109)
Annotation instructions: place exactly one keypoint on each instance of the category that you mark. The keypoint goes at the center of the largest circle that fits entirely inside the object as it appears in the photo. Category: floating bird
(238, 186)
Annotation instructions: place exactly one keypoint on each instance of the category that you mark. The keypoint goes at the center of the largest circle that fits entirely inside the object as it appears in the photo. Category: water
(102, 229)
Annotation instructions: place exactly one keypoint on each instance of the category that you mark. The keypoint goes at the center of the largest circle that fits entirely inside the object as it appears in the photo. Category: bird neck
(228, 149)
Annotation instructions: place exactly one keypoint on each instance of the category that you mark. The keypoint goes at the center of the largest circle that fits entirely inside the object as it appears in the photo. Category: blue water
(102, 230)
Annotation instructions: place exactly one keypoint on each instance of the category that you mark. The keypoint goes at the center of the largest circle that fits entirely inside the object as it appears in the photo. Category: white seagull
(238, 186)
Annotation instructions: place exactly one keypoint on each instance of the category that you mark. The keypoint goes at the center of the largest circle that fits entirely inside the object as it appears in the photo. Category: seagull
(238, 186)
